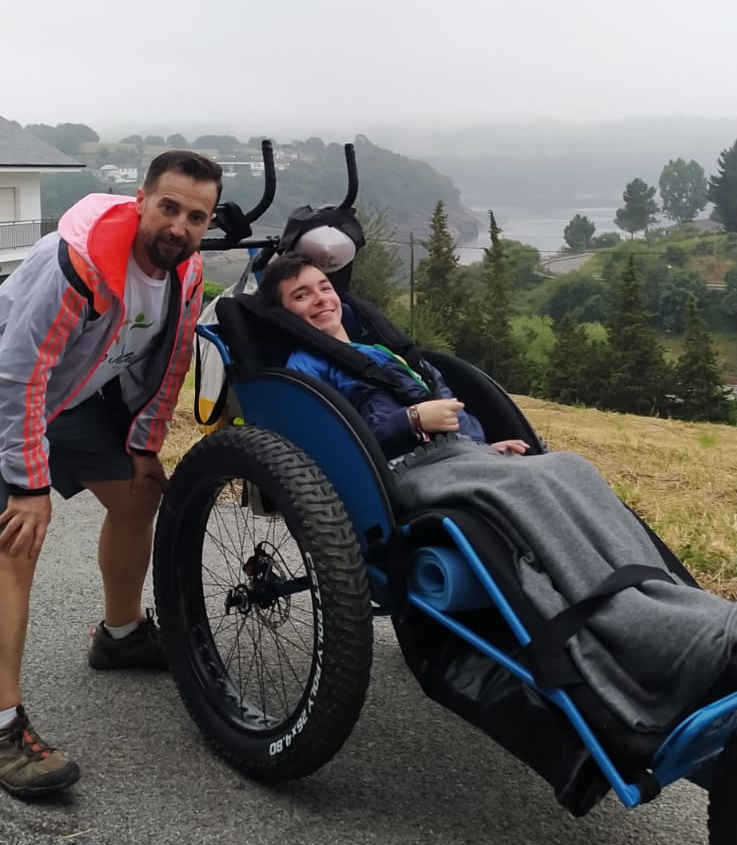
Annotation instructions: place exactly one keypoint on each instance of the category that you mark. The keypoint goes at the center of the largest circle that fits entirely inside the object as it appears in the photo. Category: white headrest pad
(328, 247)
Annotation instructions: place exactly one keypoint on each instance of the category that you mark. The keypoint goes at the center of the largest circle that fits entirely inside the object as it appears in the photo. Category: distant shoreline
(543, 229)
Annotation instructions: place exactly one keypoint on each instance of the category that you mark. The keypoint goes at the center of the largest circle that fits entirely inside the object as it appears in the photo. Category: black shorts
(86, 443)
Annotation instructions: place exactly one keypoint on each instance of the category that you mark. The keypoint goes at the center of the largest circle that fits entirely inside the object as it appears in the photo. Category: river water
(543, 230)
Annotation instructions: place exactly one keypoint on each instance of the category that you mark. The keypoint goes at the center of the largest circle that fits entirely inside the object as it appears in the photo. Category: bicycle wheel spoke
(263, 636)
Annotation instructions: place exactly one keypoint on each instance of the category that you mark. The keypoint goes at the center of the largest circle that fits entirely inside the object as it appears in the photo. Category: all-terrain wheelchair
(282, 535)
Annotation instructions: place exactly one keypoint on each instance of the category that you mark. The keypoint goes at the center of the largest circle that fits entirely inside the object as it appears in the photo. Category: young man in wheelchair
(296, 283)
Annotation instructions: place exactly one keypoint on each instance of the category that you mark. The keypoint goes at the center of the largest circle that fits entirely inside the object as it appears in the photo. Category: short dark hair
(190, 164)
(286, 266)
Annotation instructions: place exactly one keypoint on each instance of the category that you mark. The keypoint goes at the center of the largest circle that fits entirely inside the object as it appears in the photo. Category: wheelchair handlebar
(267, 154)
(350, 163)
(236, 224)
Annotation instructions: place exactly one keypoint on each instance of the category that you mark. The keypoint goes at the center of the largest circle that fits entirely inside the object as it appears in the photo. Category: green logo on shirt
(139, 323)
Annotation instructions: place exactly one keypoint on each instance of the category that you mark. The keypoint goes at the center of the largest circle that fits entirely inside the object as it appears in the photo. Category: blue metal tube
(480, 571)
(209, 332)
(629, 794)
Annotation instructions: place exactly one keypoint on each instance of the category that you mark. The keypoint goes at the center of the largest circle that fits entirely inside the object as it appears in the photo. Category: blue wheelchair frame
(280, 403)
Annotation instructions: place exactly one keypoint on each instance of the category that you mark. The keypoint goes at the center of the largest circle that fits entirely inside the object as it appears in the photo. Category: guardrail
(19, 233)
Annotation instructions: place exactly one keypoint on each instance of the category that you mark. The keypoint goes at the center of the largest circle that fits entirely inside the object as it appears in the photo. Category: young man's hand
(518, 447)
(24, 522)
(439, 415)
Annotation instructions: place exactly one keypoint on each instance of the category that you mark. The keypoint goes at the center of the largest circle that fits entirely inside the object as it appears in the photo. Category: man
(96, 333)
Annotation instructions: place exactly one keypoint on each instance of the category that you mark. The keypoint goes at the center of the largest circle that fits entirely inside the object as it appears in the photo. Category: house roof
(19, 148)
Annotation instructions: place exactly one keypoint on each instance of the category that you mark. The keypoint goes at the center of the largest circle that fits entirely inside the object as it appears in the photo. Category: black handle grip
(222, 244)
(350, 163)
(267, 153)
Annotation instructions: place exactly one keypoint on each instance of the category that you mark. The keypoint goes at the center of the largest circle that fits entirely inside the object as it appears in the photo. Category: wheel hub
(265, 573)
(238, 598)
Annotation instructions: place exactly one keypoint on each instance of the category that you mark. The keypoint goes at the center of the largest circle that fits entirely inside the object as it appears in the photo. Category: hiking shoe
(28, 766)
(141, 649)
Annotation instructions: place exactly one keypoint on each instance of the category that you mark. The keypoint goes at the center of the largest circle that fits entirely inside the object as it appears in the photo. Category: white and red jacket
(59, 313)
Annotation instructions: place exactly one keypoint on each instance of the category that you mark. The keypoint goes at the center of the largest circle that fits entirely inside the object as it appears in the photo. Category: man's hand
(517, 447)
(148, 468)
(439, 415)
(25, 521)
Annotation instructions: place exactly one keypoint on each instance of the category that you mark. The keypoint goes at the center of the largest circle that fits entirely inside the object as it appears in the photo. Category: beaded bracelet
(416, 423)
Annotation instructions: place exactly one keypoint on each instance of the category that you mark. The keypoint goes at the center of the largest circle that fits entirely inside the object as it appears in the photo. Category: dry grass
(183, 431)
(680, 477)
(711, 268)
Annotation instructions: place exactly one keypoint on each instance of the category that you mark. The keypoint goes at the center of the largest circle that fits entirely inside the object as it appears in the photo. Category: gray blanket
(652, 652)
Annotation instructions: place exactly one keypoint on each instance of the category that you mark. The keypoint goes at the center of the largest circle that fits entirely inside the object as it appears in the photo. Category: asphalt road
(558, 266)
(410, 773)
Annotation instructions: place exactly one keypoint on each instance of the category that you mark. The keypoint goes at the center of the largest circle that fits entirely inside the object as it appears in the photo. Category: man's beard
(166, 259)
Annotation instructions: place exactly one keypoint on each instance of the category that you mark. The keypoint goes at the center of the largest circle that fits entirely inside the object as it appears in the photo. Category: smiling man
(417, 409)
(96, 333)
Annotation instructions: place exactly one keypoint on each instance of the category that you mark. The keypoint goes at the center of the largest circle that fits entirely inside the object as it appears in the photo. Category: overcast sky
(289, 66)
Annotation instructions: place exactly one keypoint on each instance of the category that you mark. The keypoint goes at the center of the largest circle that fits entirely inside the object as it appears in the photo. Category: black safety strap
(546, 654)
(394, 557)
(74, 279)
(388, 334)
(342, 354)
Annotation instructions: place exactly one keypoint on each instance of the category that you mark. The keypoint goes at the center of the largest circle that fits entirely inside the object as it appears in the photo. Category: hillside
(310, 172)
(672, 266)
(680, 477)
(407, 189)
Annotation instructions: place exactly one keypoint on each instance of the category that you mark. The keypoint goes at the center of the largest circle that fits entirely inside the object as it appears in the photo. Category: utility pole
(412, 285)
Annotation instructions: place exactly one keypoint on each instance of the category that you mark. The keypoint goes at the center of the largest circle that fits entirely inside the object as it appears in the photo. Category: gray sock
(7, 716)
(117, 632)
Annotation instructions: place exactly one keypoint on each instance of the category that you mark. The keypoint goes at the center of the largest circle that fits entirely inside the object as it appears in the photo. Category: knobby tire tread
(309, 501)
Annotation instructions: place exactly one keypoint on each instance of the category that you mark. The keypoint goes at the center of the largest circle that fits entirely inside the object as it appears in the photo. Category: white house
(23, 158)
(118, 175)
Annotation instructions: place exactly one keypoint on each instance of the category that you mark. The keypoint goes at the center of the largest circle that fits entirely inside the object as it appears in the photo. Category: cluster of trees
(671, 270)
(225, 144)
(174, 141)
(67, 137)
(615, 364)
(627, 371)
(684, 192)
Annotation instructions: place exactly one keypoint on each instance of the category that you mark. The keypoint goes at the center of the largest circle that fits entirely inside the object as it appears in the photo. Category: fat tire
(324, 533)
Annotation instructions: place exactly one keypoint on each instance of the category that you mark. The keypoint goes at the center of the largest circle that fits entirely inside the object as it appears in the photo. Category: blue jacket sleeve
(469, 425)
(389, 422)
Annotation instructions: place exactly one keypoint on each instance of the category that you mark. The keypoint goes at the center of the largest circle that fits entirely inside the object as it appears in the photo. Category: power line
(418, 239)
(551, 252)
(556, 253)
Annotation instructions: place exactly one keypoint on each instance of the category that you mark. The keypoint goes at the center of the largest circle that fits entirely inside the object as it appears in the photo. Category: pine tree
(435, 273)
(723, 188)
(639, 208)
(640, 378)
(565, 375)
(502, 359)
(579, 232)
(378, 264)
(698, 379)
